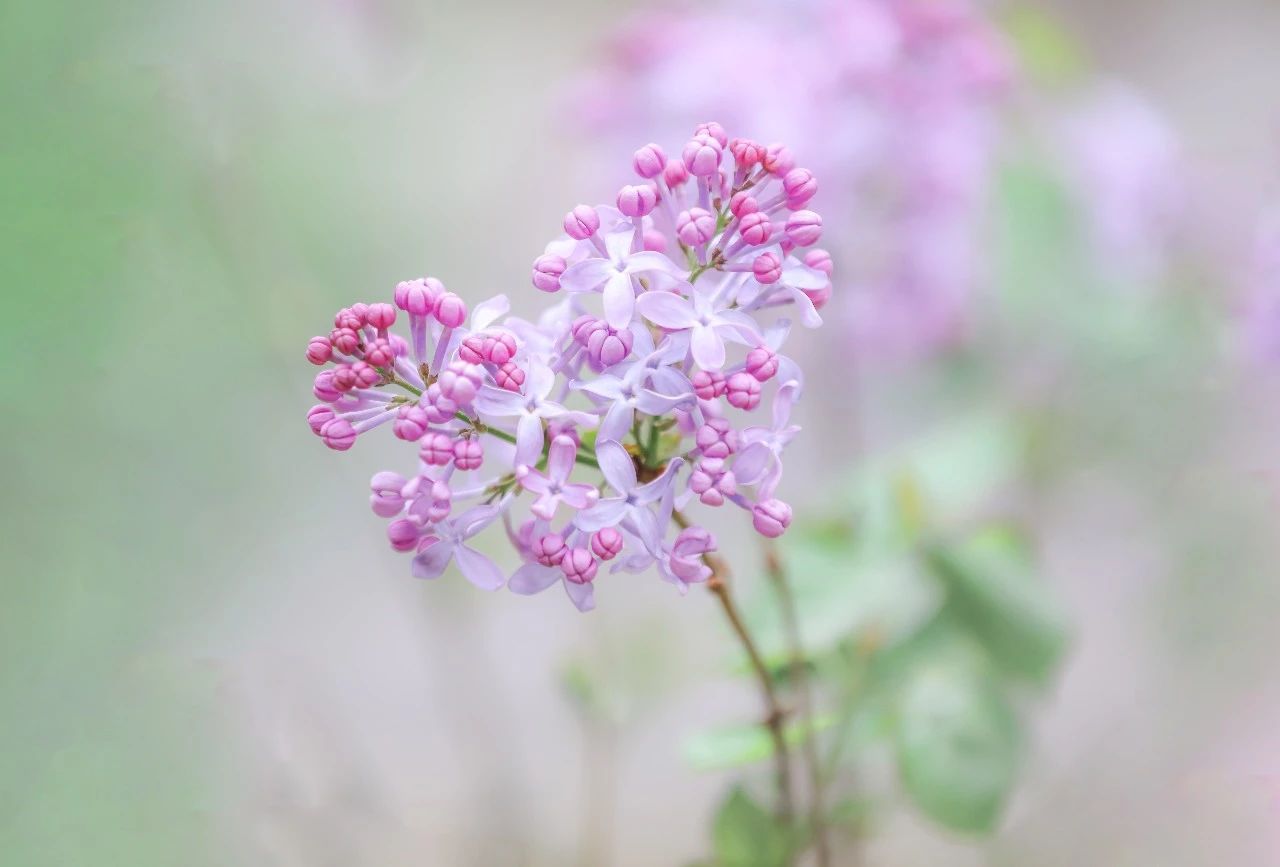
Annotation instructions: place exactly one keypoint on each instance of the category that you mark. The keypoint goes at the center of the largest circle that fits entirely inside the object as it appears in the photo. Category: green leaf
(746, 835)
(957, 748)
(993, 593)
(742, 744)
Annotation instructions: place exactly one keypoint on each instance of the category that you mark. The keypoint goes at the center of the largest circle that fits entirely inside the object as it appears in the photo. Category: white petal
(619, 301)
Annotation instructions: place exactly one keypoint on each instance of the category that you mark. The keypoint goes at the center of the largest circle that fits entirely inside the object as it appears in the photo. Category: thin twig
(817, 810)
(775, 716)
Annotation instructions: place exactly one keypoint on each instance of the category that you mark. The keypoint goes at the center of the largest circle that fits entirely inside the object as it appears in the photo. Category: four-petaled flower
(553, 487)
(708, 319)
(447, 542)
(615, 274)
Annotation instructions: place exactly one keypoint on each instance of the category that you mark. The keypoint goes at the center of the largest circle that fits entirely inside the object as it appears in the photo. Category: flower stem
(799, 673)
(587, 460)
(775, 716)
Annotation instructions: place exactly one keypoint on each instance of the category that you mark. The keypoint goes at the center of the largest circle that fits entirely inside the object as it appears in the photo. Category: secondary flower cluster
(649, 371)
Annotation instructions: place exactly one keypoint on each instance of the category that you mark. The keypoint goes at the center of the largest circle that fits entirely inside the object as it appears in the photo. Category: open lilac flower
(581, 432)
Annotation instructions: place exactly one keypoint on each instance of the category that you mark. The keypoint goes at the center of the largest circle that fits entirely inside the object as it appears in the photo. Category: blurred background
(208, 655)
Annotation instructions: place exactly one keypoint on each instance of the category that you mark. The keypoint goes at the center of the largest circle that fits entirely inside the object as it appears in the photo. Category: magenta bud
(324, 389)
(708, 384)
(771, 518)
(695, 227)
(410, 423)
(501, 349)
(549, 550)
(318, 415)
(509, 376)
(348, 318)
(366, 374)
(756, 229)
(818, 297)
(767, 268)
(800, 186)
(716, 441)
(762, 363)
(438, 406)
(675, 173)
(456, 386)
(547, 269)
(381, 316)
(582, 222)
(804, 228)
(345, 340)
(637, 200)
(777, 159)
(654, 241)
(711, 129)
(743, 391)
(418, 297)
(386, 500)
(344, 378)
(319, 350)
(578, 565)
(468, 454)
(607, 346)
(746, 153)
(819, 260)
(451, 310)
(606, 543)
(380, 353)
(436, 449)
(472, 350)
(403, 534)
(338, 434)
(701, 156)
(743, 203)
(649, 161)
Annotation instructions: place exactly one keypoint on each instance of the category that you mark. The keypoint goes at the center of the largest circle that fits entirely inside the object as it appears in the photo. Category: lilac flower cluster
(666, 336)
(892, 101)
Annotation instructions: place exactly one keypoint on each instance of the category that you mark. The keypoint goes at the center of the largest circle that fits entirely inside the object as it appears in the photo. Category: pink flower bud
(778, 160)
(756, 229)
(436, 449)
(695, 226)
(819, 260)
(317, 416)
(804, 228)
(701, 156)
(549, 550)
(438, 406)
(348, 318)
(746, 153)
(675, 173)
(345, 340)
(578, 565)
(403, 534)
(319, 350)
(606, 543)
(582, 222)
(711, 129)
(606, 346)
(468, 454)
(818, 297)
(655, 241)
(509, 376)
(338, 434)
(451, 310)
(472, 350)
(410, 423)
(344, 378)
(637, 200)
(456, 385)
(324, 389)
(762, 363)
(381, 316)
(767, 268)
(547, 269)
(366, 374)
(386, 500)
(742, 204)
(649, 161)
(743, 391)
(708, 384)
(800, 186)
(716, 439)
(380, 353)
(418, 297)
(771, 518)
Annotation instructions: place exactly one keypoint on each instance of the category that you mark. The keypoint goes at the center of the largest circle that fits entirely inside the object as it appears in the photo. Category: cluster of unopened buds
(636, 393)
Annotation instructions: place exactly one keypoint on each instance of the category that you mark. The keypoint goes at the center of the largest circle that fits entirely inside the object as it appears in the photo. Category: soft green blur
(208, 657)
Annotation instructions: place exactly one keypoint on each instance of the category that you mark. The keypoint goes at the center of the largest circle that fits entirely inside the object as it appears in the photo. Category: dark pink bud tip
(324, 389)
(747, 154)
(403, 534)
(771, 518)
(380, 353)
(819, 297)
(607, 543)
(701, 156)
(578, 565)
(819, 260)
(742, 204)
(549, 550)
(468, 454)
(582, 222)
(649, 161)
(778, 160)
(804, 228)
(319, 350)
(317, 416)
(743, 391)
(451, 310)
(756, 229)
(510, 377)
(348, 318)
(695, 226)
(418, 297)
(711, 129)
(338, 434)
(762, 363)
(366, 375)
(637, 200)
(800, 186)
(546, 272)
(345, 340)
(708, 384)
(767, 268)
(410, 424)
(381, 316)
(675, 173)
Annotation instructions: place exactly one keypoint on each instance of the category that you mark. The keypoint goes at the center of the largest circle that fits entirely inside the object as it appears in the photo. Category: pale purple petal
(809, 316)
(560, 458)
(617, 421)
(649, 401)
(707, 348)
(608, 387)
(478, 569)
(751, 463)
(606, 513)
(583, 595)
(431, 563)
(638, 263)
(541, 380)
(616, 464)
(666, 310)
(578, 496)
(534, 481)
(488, 312)
(803, 277)
(657, 488)
(619, 301)
(491, 400)
(738, 326)
(782, 403)
(533, 578)
(545, 506)
(528, 439)
(587, 276)
(476, 518)
(618, 244)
